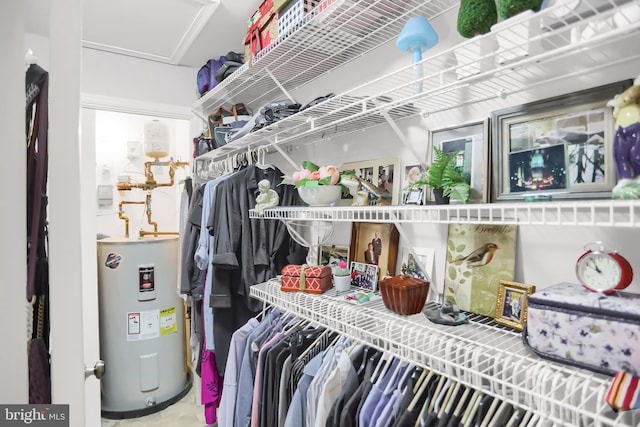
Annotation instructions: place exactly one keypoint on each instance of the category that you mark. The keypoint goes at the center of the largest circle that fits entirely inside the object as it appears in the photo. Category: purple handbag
(206, 79)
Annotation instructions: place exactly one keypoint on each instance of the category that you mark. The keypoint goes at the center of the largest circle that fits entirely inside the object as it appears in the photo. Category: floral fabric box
(569, 324)
(316, 279)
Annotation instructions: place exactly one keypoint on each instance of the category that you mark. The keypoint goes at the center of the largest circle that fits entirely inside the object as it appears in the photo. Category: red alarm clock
(600, 270)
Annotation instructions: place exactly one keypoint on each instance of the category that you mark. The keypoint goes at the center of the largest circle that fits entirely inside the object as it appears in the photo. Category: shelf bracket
(286, 156)
(399, 133)
(286, 93)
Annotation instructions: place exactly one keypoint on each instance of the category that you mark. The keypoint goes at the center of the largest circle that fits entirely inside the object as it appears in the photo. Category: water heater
(141, 326)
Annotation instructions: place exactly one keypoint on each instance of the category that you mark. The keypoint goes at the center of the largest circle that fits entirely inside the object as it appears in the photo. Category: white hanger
(30, 58)
(395, 373)
(262, 153)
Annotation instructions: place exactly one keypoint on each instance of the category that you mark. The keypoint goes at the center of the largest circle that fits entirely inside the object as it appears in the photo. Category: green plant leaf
(312, 183)
(452, 273)
(467, 274)
(452, 247)
(462, 281)
(460, 248)
(458, 192)
(450, 289)
(325, 181)
(310, 166)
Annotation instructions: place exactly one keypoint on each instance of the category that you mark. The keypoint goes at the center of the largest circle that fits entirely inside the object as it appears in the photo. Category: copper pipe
(121, 214)
(158, 233)
(148, 202)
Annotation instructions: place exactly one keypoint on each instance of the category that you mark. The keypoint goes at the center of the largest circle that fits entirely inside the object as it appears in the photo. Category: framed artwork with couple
(376, 244)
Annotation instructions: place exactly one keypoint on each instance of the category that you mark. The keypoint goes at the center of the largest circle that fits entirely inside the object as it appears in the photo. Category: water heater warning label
(146, 281)
(168, 324)
(143, 325)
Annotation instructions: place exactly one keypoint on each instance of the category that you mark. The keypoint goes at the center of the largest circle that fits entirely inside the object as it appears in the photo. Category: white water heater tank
(142, 333)
(156, 139)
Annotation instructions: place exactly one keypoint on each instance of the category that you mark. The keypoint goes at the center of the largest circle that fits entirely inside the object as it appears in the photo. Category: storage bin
(317, 279)
(404, 294)
(569, 324)
(292, 14)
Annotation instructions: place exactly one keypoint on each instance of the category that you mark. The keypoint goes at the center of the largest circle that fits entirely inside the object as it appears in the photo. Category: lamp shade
(416, 36)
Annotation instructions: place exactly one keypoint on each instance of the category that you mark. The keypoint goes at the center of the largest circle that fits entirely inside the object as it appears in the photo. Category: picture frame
(364, 276)
(415, 195)
(478, 256)
(331, 255)
(471, 141)
(381, 173)
(581, 122)
(384, 241)
(418, 261)
(513, 303)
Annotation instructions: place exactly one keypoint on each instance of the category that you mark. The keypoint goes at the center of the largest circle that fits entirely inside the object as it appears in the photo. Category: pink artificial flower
(298, 175)
(331, 171)
(342, 264)
(315, 175)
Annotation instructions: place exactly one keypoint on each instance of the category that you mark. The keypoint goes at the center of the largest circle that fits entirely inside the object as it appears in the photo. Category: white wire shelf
(479, 354)
(597, 35)
(600, 213)
(329, 36)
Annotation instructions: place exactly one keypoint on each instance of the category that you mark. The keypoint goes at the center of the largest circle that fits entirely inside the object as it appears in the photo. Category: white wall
(13, 202)
(112, 132)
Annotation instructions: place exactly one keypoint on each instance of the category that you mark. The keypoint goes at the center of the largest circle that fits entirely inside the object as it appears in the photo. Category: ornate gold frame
(522, 288)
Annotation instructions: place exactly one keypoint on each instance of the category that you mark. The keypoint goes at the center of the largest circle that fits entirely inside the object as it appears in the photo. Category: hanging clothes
(37, 124)
(246, 251)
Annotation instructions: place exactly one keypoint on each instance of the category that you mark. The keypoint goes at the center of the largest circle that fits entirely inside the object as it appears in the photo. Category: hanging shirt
(343, 376)
(229, 390)
(298, 407)
(246, 251)
(204, 256)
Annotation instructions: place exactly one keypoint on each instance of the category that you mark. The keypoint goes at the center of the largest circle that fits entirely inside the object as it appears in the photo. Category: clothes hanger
(441, 406)
(430, 402)
(423, 375)
(469, 414)
(260, 163)
(516, 417)
(489, 415)
(383, 361)
(449, 400)
(461, 403)
(400, 367)
(420, 391)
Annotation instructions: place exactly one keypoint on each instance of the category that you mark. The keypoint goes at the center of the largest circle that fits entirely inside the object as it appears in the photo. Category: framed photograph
(331, 255)
(512, 304)
(417, 195)
(364, 276)
(471, 143)
(419, 262)
(561, 146)
(478, 257)
(377, 244)
(379, 175)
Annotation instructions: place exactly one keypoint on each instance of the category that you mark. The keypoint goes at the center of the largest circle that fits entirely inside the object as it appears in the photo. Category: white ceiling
(178, 32)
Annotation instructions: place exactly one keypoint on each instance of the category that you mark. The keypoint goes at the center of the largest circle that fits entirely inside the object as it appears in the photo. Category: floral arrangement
(313, 175)
(341, 269)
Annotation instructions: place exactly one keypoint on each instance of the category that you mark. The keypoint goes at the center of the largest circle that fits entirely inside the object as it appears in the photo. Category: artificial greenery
(509, 8)
(476, 17)
(442, 174)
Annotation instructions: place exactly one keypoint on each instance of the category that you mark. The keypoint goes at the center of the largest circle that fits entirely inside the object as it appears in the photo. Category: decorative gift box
(262, 29)
(404, 294)
(315, 280)
(569, 324)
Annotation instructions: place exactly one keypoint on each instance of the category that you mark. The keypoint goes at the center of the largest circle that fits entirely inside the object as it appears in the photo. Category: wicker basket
(404, 294)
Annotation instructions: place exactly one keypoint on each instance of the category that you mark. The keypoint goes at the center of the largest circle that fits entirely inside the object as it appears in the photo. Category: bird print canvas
(478, 257)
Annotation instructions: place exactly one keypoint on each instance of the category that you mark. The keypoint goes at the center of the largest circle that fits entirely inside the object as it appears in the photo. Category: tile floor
(185, 413)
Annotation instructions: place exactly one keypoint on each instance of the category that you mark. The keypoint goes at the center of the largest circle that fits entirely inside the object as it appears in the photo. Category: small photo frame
(512, 304)
(418, 262)
(331, 255)
(415, 195)
(471, 143)
(378, 174)
(364, 276)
